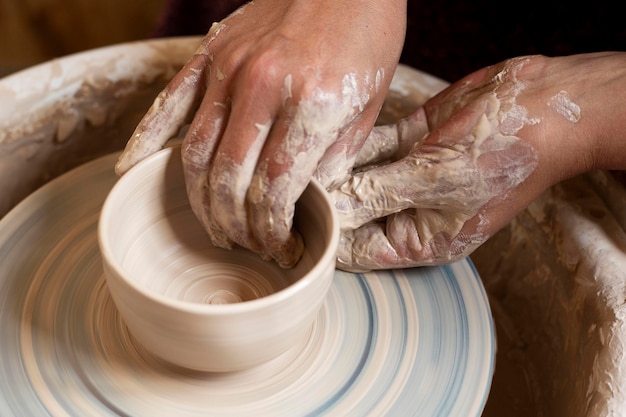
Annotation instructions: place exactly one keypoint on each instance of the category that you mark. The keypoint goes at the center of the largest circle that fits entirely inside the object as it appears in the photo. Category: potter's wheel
(398, 343)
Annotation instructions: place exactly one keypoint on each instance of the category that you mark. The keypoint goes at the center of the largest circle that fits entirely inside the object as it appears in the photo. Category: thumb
(394, 141)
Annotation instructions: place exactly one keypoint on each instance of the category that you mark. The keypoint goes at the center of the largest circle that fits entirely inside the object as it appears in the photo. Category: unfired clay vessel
(196, 305)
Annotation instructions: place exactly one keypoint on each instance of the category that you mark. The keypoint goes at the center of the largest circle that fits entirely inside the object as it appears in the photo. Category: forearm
(609, 127)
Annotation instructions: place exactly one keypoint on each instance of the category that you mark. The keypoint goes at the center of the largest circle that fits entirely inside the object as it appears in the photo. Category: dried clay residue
(565, 107)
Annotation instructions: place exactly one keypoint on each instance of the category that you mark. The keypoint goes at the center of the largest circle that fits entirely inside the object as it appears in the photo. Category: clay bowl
(193, 304)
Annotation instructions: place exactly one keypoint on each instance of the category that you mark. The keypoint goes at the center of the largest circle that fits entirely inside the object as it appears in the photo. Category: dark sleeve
(193, 17)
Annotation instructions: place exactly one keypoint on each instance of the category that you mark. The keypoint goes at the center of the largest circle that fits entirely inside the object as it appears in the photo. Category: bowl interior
(156, 243)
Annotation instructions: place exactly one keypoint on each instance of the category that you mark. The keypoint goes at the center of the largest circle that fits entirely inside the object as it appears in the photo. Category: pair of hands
(274, 98)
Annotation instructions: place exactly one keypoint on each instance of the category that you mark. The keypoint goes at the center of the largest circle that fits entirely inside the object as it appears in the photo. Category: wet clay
(60, 114)
(556, 289)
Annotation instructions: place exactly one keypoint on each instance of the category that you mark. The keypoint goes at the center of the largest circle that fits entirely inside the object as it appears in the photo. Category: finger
(236, 160)
(347, 152)
(271, 197)
(441, 179)
(391, 142)
(198, 149)
(420, 237)
(408, 239)
(171, 110)
(382, 145)
(287, 163)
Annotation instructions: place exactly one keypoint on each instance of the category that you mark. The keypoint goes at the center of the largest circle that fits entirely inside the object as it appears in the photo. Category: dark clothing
(450, 39)
(193, 17)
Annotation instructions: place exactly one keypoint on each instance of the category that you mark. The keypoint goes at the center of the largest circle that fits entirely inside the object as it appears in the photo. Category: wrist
(583, 121)
(603, 110)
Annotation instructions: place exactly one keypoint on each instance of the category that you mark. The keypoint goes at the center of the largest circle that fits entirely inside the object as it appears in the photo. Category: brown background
(34, 31)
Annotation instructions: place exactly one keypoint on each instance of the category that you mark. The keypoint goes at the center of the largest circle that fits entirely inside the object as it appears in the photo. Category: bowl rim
(105, 247)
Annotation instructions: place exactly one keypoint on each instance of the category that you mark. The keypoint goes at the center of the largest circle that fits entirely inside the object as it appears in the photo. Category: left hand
(479, 152)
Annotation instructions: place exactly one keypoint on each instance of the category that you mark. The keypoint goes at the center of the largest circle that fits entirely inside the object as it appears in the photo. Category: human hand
(277, 91)
(476, 154)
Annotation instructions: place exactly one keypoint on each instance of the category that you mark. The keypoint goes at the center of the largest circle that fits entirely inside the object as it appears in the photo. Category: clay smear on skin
(286, 92)
(565, 107)
(337, 165)
(316, 124)
(512, 117)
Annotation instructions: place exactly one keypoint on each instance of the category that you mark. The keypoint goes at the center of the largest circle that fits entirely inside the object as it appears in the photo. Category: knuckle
(265, 70)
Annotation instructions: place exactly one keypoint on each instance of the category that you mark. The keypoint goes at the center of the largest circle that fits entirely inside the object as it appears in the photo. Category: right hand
(277, 91)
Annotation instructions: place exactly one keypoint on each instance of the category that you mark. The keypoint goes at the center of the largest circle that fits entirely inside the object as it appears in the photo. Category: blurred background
(447, 39)
(34, 31)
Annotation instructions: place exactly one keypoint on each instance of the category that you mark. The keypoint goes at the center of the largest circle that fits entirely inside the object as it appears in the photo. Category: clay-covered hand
(476, 154)
(278, 90)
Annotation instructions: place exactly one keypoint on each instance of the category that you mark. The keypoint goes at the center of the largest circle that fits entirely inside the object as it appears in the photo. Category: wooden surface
(34, 31)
